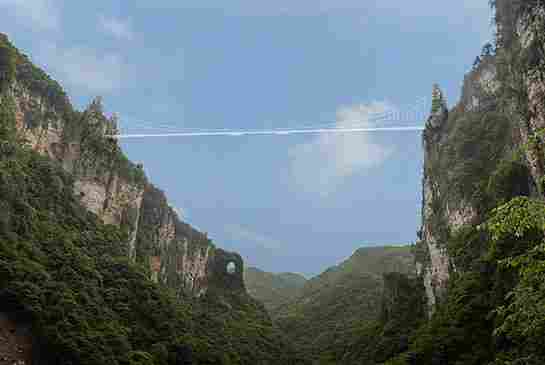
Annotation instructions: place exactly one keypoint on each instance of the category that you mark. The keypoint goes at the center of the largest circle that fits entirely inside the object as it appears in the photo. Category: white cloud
(41, 14)
(85, 68)
(321, 165)
(238, 233)
(118, 28)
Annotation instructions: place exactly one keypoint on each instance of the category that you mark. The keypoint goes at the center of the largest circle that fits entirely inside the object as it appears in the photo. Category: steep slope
(485, 150)
(481, 254)
(95, 268)
(342, 299)
(273, 290)
(106, 182)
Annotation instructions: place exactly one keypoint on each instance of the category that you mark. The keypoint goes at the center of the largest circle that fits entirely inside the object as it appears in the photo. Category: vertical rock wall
(435, 269)
(176, 254)
(43, 128)
(524, 52)
(441, 214)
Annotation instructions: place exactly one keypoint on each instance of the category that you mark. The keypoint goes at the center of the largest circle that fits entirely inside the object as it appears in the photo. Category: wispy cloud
(118, 28)
(322, 164)
(85, 68)
(38, 14)
(240, 233)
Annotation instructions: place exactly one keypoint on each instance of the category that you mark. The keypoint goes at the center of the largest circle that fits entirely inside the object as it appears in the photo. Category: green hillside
(342, 299)
(273, 290)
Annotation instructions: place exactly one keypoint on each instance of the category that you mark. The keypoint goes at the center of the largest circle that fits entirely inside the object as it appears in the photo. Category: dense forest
(328, 314)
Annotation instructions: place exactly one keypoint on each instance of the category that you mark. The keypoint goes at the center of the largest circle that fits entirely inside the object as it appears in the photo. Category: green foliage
(402, 311)
(437, 103)
(494, 310)
(7, 117)
(273, 290)
(100, 153)
(510, 179)
(15, 65)
(421, 253)
(495, 306)
(517, 232)
(459, 332)
(38, 82)
(7, 63)
(335, 312)
(70, 275)
(476, 144)
(522, 318)
(467, 166)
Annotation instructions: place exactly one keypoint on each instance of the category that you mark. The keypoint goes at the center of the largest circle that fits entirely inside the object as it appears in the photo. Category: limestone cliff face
(176, 254)
(101, 189)
(114, 188)
(464, 146)
(435, 268)
(443, 213)
(480, 85)
(521, 32)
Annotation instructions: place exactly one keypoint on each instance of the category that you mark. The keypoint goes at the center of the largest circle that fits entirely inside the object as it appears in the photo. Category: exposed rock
(176, 254)
(435, 270)
(534, 81)
(442, 213)
(480, 85)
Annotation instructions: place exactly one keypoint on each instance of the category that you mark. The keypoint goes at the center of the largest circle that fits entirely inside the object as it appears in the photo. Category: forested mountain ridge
(273, 290)
(95, 267)
(334, 305)
(281, 292)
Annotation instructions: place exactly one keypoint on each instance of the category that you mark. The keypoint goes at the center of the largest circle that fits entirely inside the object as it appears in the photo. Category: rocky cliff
(522, 72)
(108, 184)
(444, 207)
(472, 153)
(458, 161)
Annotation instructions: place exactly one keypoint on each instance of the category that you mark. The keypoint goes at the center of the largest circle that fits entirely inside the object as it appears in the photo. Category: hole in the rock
(231, 268)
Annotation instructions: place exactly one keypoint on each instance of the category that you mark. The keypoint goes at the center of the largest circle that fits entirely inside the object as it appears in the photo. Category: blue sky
(286, 203)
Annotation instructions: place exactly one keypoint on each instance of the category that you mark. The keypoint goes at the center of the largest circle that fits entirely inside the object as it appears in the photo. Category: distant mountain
(273, 290)
(342, 299)
(367, 261)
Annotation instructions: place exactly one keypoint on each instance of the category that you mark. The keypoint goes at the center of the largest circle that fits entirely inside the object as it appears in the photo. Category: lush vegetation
(495, 307)
(335, 310)
(494, 310)
(69, 275)
(273, 290)
(88, 128)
